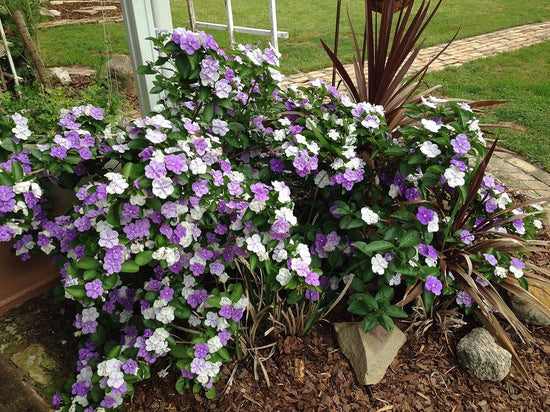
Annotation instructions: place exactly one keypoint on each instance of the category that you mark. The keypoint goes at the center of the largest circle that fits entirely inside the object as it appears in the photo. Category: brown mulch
(70, 9)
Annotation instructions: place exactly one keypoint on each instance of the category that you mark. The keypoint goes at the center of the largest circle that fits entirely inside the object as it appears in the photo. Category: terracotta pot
(377, 5)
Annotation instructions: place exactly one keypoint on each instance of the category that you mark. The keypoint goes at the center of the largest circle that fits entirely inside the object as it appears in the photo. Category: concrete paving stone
(542, 176)
(522, 164)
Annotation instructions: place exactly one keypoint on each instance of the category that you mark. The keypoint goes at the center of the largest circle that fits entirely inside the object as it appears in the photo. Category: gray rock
(479, 354)
(370, 353)
(120, 67)
(527, 313)
(61, 75)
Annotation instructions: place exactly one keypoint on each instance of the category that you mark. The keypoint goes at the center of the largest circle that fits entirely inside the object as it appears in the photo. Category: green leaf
(359, 307)
(129, 171)
(214, 301)
(385, 293)
(6, 179)
(183, 65)
(78, 291)
(369, 322)
(236, 126)
(145, 70)
(210, 393)
(208, 113)
(114, 352)
(523, 283)
(129, 267)
(370, 248)
(411, 238)
(9, 145)
(224, 353)
(87, 263)
(428, 298)
(370, 300)
(237, 292)
(17, 171)
(386, 321)
(253, 261)
(396, 312)
(143, 258)
(182, 384)
(403, 215)
(355, 223)
(110, 282)
(178, 351)
(90, 275)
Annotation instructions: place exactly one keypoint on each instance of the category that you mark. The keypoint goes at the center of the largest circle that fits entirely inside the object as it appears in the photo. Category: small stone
(478, 353)
(39, 365)
(120, 67)
(61, 75)
(46, 12)
(528, 313)
(370, 353)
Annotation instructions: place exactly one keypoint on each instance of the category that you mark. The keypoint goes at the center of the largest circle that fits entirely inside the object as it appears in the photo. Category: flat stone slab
(38, 364)
(15, 394)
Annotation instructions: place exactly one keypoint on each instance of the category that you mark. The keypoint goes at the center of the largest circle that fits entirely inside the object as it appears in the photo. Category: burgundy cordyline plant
(235, 207)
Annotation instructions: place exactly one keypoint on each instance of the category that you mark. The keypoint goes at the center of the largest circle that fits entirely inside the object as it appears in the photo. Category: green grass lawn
(523, 78)
(306, 22)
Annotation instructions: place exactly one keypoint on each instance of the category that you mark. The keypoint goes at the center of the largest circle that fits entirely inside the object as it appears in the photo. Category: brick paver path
(518, 174)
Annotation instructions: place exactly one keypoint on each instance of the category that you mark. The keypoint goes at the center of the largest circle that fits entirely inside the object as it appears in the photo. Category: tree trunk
(29, 45)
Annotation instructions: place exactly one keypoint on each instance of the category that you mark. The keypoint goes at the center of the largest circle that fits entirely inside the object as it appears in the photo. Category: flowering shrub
(233, 195)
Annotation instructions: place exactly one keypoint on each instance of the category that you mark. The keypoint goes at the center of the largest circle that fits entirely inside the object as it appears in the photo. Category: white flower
(286, 214)
(431, 125)
(369, 217)
(518, 272)
(395, 280)
(163, 187)
(501, 272)
(379, 264)
(279, 135)
(214, 344)
(284, 276)
(166, 314)
(454, 176)
(537, 223)
(430, 149)
(21, 187)
(394, 191)
(117, 183)
(433, 226)
(283, 190)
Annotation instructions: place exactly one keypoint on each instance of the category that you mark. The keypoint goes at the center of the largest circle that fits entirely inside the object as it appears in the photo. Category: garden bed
(311, 374)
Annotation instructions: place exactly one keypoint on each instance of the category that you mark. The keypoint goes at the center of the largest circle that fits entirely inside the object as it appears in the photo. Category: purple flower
(167, 293)
(276, 165)
(425, 215)
(59, 152)
(491, 259)
(6, 193)
(200, 187)
(7, 233)
(467, 237)
(226, 311)
(56, 400)
(460, 144)
(433, 285)
(198, 366)
(130, 367)
(94, 289)
(261, 192)
(462, 298)
(155, 169)
(412, 194)
(108, 238)
(176, 163)
(201, 350)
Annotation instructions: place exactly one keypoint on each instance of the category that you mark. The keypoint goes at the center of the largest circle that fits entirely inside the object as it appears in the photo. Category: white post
(141, 18)
(274, 31)
(230, 26)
